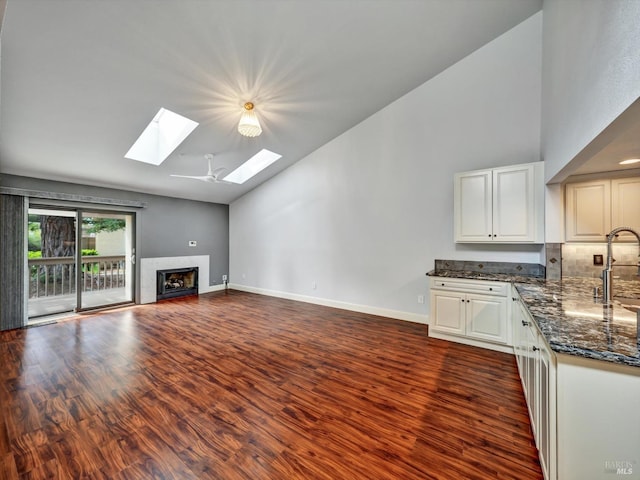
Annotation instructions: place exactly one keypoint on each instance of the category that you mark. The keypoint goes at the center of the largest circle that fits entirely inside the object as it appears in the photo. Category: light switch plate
(193, 243)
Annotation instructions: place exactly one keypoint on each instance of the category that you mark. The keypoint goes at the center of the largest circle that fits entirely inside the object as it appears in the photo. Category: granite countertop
(571, 320)
(575, 323)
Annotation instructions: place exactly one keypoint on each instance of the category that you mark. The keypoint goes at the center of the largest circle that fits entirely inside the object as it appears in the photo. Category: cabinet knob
(442, 284)
(525, 324)
(468, 301)
(494, 235)
(535, 349)
(462, 300)
(490, 289)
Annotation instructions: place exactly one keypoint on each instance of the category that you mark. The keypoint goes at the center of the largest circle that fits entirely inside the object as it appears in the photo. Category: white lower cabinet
(585, 413)
(536, 364)
(470, 311)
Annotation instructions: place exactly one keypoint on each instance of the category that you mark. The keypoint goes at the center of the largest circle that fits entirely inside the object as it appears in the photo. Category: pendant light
(249, 125)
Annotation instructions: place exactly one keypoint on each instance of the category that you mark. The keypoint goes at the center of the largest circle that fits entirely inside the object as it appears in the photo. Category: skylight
(162, 136)
(253, 166)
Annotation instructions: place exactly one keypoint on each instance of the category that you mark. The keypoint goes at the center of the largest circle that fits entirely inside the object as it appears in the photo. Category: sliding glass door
(107, 259)
(78, 260)
(51, 260)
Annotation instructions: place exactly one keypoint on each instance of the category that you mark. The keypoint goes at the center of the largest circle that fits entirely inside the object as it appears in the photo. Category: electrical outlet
(420, 298)
(598, 260)
(224, 278)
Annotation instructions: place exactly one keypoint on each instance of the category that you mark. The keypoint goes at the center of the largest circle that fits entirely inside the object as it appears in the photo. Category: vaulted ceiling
(81, 79)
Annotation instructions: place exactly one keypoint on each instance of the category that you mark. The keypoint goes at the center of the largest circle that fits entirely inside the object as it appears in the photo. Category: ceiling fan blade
(204, 178)
(212, 175)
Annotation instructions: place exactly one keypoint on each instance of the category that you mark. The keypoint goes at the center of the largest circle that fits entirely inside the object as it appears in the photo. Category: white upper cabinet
(473, 206)
(588, 216)
(504, 205)
(594, 208)
(513, 204)
(625, 205)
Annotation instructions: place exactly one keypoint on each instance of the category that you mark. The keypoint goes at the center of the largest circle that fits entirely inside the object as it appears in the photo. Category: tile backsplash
(553, 254)
(577, 260)
(509, 268)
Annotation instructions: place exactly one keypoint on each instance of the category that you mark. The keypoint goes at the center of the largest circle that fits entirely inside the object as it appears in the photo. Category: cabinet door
(472, 206)
(546, 409)
(519, 336)
(588, 211)
(447, 312)
(532, 377)
(625, 206)
(513, 204)
(486, 318)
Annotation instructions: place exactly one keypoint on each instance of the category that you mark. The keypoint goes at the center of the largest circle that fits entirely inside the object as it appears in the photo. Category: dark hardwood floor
(241, 386)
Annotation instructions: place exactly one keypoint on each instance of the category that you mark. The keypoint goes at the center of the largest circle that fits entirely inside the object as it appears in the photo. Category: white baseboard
(383, 312)
(212, 288)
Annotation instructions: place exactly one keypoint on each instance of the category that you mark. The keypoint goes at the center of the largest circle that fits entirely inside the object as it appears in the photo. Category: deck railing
(57, 276)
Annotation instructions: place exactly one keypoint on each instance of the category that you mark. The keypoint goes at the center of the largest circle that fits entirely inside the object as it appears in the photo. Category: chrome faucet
(607, 273)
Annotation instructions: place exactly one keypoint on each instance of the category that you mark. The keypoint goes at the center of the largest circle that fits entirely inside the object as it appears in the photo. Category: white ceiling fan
(212, 176)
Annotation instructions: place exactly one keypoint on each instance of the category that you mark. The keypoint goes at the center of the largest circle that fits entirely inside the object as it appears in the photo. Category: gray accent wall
(164, 226)
(167, 225)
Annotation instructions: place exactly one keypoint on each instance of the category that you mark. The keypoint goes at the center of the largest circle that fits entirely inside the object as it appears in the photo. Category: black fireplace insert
(177, 282)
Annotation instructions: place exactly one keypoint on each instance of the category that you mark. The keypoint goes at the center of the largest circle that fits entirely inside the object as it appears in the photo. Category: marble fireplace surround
(149, 266)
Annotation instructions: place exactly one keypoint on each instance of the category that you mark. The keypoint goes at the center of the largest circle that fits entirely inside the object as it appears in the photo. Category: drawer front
(471, 286)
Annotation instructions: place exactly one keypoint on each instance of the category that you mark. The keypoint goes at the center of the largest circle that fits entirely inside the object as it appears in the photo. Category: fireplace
(177, 282)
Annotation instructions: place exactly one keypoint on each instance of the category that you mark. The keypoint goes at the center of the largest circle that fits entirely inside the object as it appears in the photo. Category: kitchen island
(579, 364)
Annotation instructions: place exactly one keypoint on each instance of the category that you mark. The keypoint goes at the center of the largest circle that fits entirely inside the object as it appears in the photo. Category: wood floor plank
(232, 385)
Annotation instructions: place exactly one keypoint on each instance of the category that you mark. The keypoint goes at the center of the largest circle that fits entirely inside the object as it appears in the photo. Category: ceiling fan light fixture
(249, 126)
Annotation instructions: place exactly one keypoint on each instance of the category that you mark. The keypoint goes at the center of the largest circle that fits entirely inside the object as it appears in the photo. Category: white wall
(591, 72)
(364, 217)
